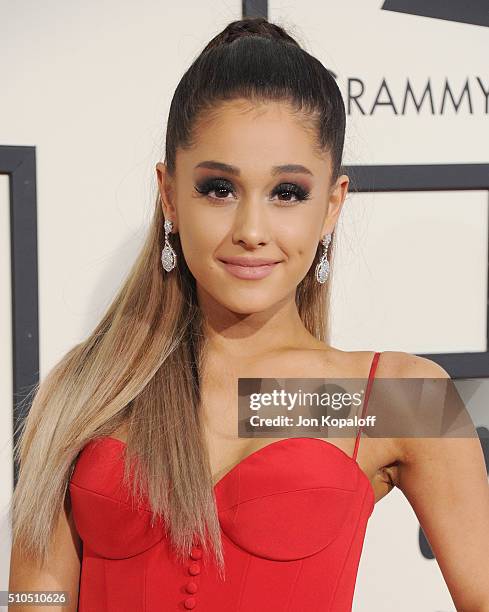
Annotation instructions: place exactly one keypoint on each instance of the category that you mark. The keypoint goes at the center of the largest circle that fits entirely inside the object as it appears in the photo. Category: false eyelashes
(222, 185)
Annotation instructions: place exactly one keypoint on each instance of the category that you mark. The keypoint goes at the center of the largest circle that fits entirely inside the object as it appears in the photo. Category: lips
(249, 261)
(249, 269)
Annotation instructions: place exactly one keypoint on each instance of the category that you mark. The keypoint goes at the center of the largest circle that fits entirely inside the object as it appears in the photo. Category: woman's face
(252, 186)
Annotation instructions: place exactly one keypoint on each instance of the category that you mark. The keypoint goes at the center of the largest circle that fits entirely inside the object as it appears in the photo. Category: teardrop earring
(168, 255)
(322, 268)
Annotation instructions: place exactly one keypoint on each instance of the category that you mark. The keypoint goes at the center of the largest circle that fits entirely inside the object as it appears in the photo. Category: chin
(248, 304)
(241, 300)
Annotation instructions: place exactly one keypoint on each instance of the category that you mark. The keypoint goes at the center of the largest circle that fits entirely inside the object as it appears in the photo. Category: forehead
(241, 132)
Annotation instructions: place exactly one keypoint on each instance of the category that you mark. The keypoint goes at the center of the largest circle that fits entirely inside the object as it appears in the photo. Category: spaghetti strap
(371, 377)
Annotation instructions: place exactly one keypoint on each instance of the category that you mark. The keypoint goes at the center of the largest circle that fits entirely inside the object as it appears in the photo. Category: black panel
(19, 163)
(254, 8)
(475, 12)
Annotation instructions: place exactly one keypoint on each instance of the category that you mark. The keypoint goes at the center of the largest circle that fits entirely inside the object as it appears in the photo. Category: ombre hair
(140, 366)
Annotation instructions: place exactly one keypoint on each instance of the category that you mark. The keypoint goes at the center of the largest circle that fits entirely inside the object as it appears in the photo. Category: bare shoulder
(396, 451)
(391, 364)
(398, 364)
(402, 365)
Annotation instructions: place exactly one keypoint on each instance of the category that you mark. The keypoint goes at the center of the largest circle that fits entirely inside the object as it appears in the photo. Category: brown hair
(141, 364)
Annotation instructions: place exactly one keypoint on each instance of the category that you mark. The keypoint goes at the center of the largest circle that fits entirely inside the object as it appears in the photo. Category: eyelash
(216, 184)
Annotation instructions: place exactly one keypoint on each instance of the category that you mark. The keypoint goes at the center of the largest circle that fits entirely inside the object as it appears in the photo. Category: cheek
(200, 244)
(297, 240)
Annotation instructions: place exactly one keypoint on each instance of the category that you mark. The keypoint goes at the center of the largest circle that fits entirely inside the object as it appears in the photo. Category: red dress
(293, 517)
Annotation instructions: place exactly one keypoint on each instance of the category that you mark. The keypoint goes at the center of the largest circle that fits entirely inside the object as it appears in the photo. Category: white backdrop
(89, 85)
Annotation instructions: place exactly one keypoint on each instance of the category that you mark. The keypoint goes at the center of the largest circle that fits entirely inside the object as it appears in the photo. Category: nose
(251, 227)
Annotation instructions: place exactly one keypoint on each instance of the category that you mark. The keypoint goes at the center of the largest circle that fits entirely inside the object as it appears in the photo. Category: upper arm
(60, 573)
(445, 481)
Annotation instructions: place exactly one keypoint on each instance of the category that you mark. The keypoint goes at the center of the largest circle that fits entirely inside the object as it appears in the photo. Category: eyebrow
(215, 165)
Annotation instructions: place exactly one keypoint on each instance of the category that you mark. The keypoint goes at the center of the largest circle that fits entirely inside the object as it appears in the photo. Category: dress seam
(299, 571)
(347, 555)
(106, 595)
(113, 499)
(145, 586)
(289, 491)
(243, 580)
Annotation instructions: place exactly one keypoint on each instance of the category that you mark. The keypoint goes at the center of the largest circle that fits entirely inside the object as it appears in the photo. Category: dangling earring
(322, 268)
(168, 255)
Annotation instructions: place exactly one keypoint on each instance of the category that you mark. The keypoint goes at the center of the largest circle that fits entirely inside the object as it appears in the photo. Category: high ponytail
(253, 26)
(258, 60)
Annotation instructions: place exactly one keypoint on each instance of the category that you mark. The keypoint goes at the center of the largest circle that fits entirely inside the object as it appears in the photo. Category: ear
(335, 203)
(165, 187)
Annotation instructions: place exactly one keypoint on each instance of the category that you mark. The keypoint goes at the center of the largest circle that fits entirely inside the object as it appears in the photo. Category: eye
(289, 189)
(222, 188)
(218, 185)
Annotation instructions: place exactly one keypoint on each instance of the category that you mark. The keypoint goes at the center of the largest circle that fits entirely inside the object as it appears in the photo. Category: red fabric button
(196, 553)
(189, 603)
(191, 587)
(194, 569)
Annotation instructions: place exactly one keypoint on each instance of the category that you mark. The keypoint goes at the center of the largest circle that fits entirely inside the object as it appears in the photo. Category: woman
(138, 422)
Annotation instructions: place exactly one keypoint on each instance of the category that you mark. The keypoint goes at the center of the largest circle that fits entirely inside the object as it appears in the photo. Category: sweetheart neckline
(276, 442)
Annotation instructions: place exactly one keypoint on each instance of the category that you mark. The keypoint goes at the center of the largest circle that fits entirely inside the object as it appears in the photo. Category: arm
(445, 481)
(61, 573)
